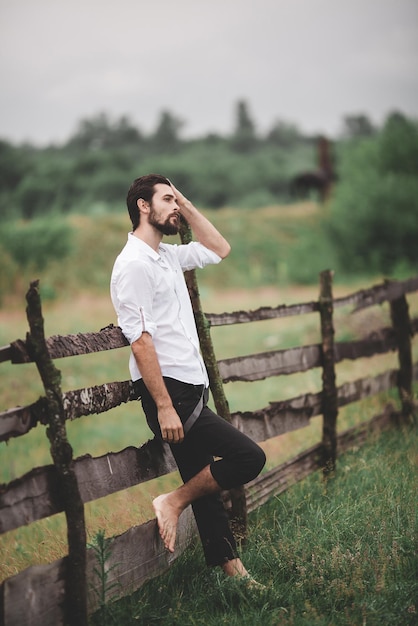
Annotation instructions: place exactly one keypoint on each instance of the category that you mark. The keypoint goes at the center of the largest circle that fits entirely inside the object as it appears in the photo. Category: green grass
(275, 245)
(342, 553)
(45, 540)
(270, 247)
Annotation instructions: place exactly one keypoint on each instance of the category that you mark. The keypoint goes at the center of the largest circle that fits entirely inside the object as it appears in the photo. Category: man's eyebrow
(168, 195)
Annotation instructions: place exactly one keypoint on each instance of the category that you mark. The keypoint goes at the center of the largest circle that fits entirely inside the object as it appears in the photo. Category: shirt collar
(144, 247)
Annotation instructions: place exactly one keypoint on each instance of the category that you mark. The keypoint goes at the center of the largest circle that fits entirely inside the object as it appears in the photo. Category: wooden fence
(60, 592)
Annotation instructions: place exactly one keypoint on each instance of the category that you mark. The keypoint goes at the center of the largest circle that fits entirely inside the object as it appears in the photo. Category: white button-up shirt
(150, 295)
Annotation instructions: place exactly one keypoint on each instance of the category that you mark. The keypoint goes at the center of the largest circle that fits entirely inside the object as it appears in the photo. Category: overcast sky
(309, 62)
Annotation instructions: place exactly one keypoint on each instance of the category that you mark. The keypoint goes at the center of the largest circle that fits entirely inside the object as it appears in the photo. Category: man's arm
(204, 231)
(146, 357)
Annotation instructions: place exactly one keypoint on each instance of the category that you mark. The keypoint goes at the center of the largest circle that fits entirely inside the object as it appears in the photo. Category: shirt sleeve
(194, 254)
(135, 296)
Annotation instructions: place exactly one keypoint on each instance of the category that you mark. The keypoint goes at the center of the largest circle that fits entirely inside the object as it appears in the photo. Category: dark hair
(142, 187)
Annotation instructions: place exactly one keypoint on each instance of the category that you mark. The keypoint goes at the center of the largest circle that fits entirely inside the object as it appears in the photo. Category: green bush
(8, 274)
(373, 222)
(36, 242)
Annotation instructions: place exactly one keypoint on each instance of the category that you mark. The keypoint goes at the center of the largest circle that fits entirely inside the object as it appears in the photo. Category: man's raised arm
(204, 231)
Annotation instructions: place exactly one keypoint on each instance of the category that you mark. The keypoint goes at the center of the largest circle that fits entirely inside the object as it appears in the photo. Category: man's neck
(150, 235)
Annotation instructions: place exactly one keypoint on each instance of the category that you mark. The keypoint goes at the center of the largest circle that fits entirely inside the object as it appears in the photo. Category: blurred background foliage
(63, 215)
(374, 218)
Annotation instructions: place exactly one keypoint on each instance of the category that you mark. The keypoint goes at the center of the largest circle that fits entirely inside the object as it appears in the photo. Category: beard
(167, 227)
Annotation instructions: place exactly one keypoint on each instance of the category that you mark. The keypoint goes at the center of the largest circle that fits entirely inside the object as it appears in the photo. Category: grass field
(266, 246)
(336, 554)
(46, 540)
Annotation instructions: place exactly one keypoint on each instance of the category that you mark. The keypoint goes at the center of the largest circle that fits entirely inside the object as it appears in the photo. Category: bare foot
(167, 517)
(235, 567)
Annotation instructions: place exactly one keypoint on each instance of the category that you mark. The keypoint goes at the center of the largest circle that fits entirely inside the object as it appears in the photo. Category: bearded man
(154, 311)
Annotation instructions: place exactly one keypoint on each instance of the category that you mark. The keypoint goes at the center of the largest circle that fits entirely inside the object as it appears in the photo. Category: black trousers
(238, 460)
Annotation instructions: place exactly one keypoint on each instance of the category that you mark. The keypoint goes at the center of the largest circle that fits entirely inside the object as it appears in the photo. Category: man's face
(164, 211)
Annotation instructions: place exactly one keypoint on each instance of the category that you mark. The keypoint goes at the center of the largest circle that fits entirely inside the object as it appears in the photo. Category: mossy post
(329, 389)
(238, 500)
(75, 608)
(401, 321)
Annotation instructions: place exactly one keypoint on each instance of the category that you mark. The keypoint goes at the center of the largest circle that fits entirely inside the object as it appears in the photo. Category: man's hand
(171, 426)
(181, 200)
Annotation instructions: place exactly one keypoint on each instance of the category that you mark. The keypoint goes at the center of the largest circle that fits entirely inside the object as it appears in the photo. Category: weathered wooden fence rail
(49, 594)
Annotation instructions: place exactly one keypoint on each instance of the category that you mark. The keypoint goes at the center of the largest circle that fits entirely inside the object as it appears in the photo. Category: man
(152, 303)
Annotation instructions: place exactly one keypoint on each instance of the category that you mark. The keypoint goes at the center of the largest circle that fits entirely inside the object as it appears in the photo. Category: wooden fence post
(399, 311)
(75, 609)
(238, 513)
(329, 389)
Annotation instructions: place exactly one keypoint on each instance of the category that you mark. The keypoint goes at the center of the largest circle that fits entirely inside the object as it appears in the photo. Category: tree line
(371, 216)
(96, 165)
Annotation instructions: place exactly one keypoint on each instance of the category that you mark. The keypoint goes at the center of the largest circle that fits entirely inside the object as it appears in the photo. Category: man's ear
(142, 205)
